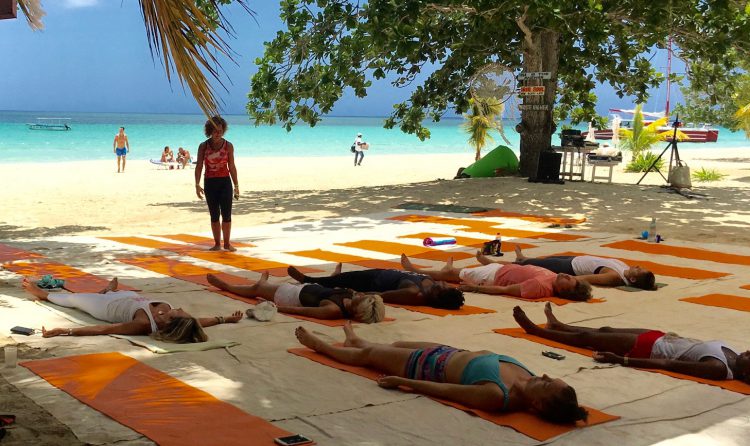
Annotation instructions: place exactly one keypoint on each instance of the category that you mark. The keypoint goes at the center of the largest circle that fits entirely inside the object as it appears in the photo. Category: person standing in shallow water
(121, 147)
(216, 154)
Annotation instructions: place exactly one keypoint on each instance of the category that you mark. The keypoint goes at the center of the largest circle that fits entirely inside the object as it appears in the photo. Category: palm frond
(743, 119)
(32, 10)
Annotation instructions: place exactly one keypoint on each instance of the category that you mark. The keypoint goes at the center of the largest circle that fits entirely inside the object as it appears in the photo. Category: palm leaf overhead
(184, 35)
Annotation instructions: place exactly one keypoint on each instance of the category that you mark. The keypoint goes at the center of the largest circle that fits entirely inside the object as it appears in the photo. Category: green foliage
(640, 138)
(482, 118)
(706, 175)
(642, 161)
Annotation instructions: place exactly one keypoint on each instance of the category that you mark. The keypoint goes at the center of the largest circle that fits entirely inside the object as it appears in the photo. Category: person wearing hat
(359, 149)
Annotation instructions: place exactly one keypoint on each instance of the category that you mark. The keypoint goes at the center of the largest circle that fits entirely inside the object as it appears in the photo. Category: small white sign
(535, 90)
(535, 75)
(533, 107)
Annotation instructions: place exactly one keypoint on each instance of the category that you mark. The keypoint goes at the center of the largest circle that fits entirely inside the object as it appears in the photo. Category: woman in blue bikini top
(479, 380)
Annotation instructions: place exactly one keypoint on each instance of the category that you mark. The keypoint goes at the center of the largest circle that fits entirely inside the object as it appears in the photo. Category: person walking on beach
(121, 147)
(359, 149)
(217, 154)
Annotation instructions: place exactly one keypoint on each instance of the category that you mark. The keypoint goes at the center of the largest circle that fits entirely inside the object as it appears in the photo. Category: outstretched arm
(476, 396)
(216, 320)
(324, 312)
(404, 296)
(125, 328)
(610, 278)
(510, 290)
(709, 369)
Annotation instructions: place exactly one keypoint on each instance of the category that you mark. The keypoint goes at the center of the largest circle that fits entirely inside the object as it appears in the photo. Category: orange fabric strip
(721, 300)
(164, 409)
(522, 422)
(745, 287)
(530, 217)
(203, 241)
(471, 242)
(76, 280)
(680, 251)
(463, 311)
(733, 385)
(336, 257)
(10, 254)
(661, 269)
(396, 249)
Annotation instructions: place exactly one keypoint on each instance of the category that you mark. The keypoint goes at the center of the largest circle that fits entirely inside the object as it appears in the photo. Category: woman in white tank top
(128, 314)
(644, 348)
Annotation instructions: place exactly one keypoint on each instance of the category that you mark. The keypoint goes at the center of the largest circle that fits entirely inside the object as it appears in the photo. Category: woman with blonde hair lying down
(129, 314)
(311, 300)
(479, 380)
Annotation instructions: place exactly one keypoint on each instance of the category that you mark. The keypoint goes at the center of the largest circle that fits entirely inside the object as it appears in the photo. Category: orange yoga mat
(76, 280)
(224, 257)
(396, 249)
(680, 251)
(471, 242)
(662, 270)
(203, 241)
(163, 408)
(197, 274)
(10, 254)
(530, 217)
(337, 257)
(488, 227)
(745, 287)
(733, 385)
(522, 422)
(463, 311)
(721, 300)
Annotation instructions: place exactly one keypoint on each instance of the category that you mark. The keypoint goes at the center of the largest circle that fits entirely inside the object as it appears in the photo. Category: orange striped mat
(223, 257)
(463, 311)
(197, 274)
(337, 257)
(10, 253)
(721, 300)
(488, 227)
(680, 251)
(530, 217)
(471, 242)
(76, 280)
(203, 241)
(396, 249)
(661, 269)
(522, 422)
(733, 385)
(163, 408)
(745, 287)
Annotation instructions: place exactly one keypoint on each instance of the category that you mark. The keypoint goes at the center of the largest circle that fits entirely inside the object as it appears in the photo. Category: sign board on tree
(535, 90)
(533, 107)
(535, 75)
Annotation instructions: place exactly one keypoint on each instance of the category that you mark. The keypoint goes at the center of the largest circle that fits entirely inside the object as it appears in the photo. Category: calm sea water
(92, 135)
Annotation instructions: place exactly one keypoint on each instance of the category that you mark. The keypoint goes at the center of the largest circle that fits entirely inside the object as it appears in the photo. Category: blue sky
(93, 56)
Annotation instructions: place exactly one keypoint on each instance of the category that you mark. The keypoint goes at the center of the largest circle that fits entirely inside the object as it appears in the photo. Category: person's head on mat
(476, 379)
(181, 330)
(441, 295)
(641, 278)
(367, 308)
(568, 287)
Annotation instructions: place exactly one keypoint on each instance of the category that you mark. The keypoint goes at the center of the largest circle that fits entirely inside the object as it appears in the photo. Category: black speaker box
(548, 170)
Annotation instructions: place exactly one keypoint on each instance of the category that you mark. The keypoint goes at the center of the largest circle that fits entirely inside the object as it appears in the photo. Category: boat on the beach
(58, 124)
(702, 133)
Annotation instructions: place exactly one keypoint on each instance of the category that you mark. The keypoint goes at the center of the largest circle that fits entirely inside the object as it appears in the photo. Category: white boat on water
(58, 124)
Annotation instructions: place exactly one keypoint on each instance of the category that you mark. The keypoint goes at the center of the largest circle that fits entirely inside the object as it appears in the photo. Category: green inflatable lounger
(501, 157)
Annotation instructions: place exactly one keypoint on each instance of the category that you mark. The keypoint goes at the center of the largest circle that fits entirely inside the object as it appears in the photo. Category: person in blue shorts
(121, 147)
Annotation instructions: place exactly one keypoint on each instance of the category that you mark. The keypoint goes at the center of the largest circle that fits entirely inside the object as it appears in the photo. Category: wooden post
(8, 9)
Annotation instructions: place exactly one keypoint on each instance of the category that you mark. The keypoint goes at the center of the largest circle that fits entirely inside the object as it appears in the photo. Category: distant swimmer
(121, 147)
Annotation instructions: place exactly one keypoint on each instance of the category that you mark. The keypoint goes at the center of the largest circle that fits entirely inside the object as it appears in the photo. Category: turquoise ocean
(92, 135)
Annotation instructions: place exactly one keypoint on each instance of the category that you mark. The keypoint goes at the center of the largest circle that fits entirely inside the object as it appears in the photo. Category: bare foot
(552, 321)
(448, 265)
(519, 254)
(337, 270)
(33, 289)
(111, 286)
(295, 274)
(352, 340)
(215, 248)
(406, 264)
(229, 247)
(215, 281)
(481, 258)
(524, 321)
(308, 339)
(263, 278)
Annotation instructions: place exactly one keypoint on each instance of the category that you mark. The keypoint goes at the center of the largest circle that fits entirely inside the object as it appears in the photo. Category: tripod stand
(674, 155)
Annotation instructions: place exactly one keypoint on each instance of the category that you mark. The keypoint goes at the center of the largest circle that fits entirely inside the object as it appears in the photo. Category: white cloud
(80, 3)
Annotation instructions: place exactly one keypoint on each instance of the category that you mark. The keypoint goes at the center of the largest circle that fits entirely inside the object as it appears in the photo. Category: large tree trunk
(541, 53)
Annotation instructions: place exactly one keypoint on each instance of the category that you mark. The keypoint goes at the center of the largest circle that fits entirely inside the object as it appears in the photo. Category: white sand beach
(60, 211)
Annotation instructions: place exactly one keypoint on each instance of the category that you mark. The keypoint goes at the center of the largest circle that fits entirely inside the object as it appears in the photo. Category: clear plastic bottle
(652, 230)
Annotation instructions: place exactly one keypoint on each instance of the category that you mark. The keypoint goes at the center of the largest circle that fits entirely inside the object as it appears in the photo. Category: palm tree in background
(743, 119)
(482, 118)
(640, 138)
(184, 34)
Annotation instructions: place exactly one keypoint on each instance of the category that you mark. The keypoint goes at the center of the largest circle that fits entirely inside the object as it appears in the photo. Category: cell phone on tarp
(292, 440)
(22, 330)
(554, 355)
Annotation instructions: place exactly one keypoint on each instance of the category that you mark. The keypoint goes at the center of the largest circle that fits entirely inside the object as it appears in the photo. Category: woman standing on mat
(644, 348)
(311, 300)
(217, 154)
(129, 314)
(480, 380)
